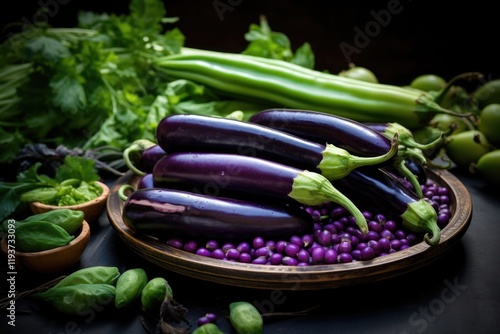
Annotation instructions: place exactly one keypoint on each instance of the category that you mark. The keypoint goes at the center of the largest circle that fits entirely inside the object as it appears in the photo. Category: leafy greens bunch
(93, 85)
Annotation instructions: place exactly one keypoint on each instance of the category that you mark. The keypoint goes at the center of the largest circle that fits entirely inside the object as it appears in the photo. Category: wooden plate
(296, 278)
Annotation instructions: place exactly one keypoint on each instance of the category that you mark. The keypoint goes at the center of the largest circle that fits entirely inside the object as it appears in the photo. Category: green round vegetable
(359, 73)
(154, 293)
(449, 124)
(428, 83)
(40, 236)
(129, 286)
(209, 328)
(466, 147)
(488, 93)
(487, 167)
(489, 123)
(245, 318)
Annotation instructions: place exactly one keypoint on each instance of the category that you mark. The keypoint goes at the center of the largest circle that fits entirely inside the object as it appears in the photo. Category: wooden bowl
(92, 209)
(52, 260)
(313, 277)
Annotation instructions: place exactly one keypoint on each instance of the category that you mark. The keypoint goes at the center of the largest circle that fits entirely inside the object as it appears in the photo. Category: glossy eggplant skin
(418, 169)
(220, 173)
(150, 157)
(373, 189)
(177, 133)
(146, 181)
(167, 213)
(354, 137)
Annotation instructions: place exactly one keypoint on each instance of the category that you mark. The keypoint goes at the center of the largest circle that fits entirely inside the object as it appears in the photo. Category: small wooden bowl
(92, 209)
(52, 260)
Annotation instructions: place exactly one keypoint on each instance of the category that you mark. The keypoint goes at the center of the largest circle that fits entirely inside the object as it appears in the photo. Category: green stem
(123, 189)
(338, 163)
(311, 188)
(406, 137)
(468, 76)
(401, 167)
(415, 153)
(421, 217)
(132, 154)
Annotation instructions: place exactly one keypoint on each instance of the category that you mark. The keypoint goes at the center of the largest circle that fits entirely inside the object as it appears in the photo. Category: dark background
(445, 38)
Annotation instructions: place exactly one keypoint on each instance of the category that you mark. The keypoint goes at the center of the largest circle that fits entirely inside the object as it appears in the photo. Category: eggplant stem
(469, 76)
(123, 189)
(410, 177)
(338, 163)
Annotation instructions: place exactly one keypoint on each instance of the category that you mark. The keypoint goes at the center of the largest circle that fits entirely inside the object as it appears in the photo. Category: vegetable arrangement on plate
(226, 184)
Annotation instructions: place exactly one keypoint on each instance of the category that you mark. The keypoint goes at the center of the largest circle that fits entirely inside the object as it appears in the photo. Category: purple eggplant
(320, 127)
(214, 173)
(357, 138)
(373, 188)
(165, 213)
(150, 157)
(177, 133)
(146, 181)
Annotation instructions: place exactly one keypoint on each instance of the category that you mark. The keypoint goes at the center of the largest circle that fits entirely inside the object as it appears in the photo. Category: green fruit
(209, 328)
(428, 82)
(359, 73)
(489, 123)
(129, 286)
(487, 167)
(455, 96)
(245, 318)
(488, 93)
(467, 147)
(449, 124)
(154, 293)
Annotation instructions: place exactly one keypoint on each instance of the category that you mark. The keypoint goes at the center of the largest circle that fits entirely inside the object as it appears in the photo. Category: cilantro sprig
(79, 171)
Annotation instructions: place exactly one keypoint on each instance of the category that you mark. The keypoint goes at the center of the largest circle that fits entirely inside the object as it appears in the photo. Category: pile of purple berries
(336, 238)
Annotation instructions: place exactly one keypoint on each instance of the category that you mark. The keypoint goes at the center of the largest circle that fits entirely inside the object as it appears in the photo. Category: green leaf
(263, 42)
(11, 144)
(47, 48)
(172, 41)
(146, 15)
(304, 56)
(77, 167)
(10, 192)
(68, 93)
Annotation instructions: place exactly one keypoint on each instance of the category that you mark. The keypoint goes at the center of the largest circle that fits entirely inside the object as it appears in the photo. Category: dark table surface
(458, 293)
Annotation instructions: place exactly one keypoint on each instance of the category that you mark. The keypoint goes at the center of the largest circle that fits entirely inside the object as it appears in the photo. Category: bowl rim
(84, 233)
(103, 197)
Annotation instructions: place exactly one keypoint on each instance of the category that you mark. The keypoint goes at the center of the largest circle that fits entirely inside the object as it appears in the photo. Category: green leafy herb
(74, 183)
(276, 45)
(93, 85)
